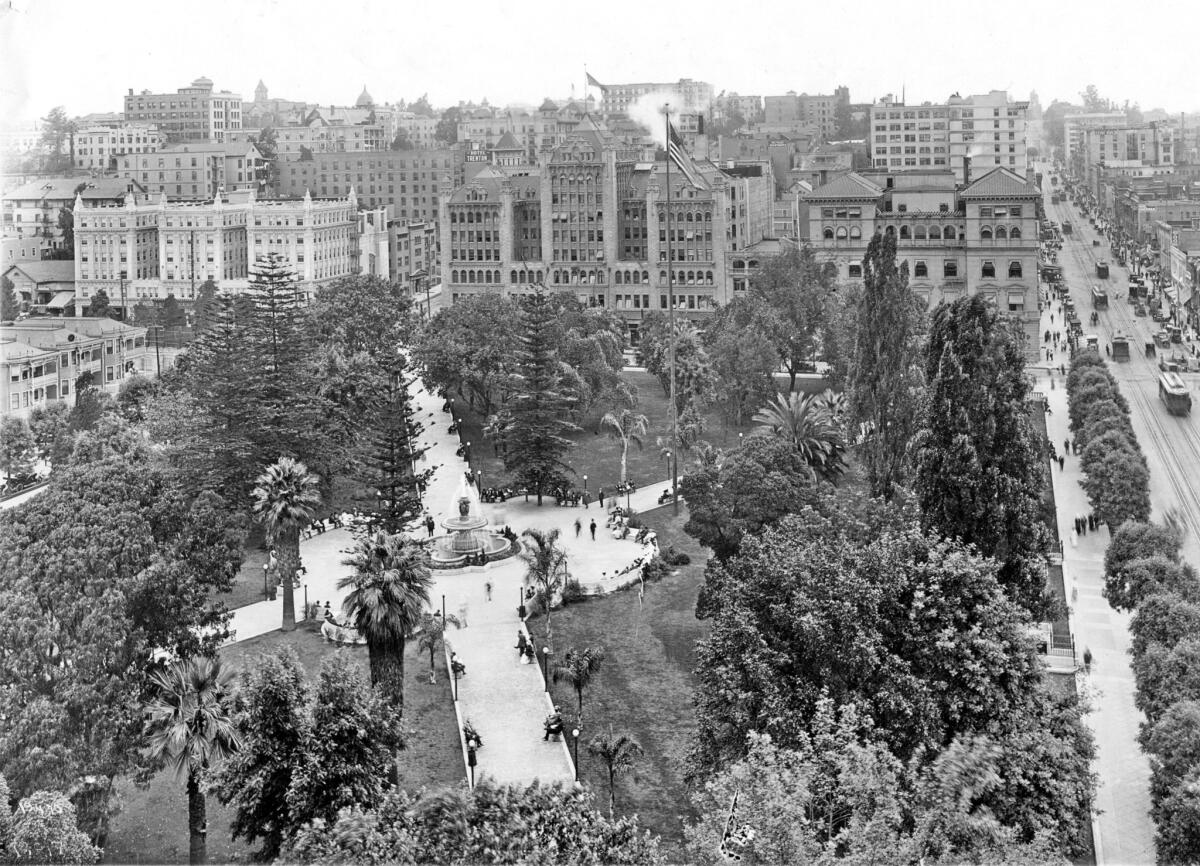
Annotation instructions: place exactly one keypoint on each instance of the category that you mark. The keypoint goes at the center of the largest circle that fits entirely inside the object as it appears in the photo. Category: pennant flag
(679, 156)
(591, 80)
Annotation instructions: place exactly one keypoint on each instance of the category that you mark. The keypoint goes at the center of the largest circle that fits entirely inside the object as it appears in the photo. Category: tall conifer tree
(393, 451)
(538, 429)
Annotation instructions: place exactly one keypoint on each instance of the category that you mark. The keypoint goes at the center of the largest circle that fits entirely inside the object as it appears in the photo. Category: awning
(60, 300)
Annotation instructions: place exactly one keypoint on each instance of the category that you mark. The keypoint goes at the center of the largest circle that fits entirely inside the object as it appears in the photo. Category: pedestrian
(521, 643)
(1108, 349)
(429, 524)
(585, 500)
(1091, 523)
(1052, 318)
(593, 529)
(1067, 446)
(1062, 463)
(462, 615)
(601, 494)
(487, 590)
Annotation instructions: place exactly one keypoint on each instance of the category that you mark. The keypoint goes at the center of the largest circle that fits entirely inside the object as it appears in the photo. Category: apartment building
(968, 135)
(193, 113)
(148, 249)
(97, 148)
(31, 211)
(1076, 123)
(685, 95)
(40, 359)
(195, 170)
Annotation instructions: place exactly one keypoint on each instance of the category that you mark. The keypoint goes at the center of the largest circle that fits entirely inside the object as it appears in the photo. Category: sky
(86, 54)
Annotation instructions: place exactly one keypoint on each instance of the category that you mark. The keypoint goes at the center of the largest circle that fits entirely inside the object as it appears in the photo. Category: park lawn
(152, 825)
(645, 686)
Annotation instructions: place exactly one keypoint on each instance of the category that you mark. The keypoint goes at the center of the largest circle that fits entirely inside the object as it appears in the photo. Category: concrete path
(505, 700)
(1124, 831)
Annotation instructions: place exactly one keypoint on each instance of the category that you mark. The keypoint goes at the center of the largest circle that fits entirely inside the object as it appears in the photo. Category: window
(1014, 270)
(919, 233)
(905, 234)
(1014, 233)
(985, 233)
(949, 234)
(841, 233)
(920, 269)
(989, 270)
(856, 271)
(827, 233)
(935, 233)
(1001, 233)
(950, 269)
(855, 232)
(985, 213)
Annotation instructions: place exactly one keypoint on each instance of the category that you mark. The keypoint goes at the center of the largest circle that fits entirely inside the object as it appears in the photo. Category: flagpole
(671, 321)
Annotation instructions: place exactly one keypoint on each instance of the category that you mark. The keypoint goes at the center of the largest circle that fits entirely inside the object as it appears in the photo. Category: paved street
(1124, 829)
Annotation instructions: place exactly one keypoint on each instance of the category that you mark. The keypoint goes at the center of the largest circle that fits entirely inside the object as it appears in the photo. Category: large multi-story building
(414, 254)
(1076, 123)
(685, 95)
(96, 148)
(420, 130)
(969, 135)
(194, 171)
(146, 250)
(194, 113)
(405, 180)
(40, 359)
(593, 221)
(818, 111)
(32, 211)
(535, 132)
(981, 239)
(1123, 149)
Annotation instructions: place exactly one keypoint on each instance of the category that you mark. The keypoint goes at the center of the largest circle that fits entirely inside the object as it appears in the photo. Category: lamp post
(479, 481)
(575, 735)
(585, 483)
(521, 603)
(546, 666)
(472, 745)
(453, 671)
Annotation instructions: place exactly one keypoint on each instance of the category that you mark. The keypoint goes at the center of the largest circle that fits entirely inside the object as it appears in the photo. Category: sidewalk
(505, 700)
(1124, 830)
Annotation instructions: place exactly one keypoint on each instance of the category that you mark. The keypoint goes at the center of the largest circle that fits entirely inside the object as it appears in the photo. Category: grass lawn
(152, 825)
(645, 686)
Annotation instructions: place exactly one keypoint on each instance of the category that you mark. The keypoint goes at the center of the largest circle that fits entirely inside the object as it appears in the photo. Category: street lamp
(454, 673)
(479, 481)
(546, 666)
(585, 484)
(575, 734)
(472, 745)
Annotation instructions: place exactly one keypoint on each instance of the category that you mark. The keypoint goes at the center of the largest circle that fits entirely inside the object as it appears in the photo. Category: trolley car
(1173, 391)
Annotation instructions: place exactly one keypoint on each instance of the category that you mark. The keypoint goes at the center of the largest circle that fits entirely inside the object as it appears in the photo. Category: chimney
(967, 168)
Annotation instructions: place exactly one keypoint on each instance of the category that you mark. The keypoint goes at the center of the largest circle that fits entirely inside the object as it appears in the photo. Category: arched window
(1014, 269)
(620, 279)
(645, 277)
(920, 269)
(935, 233)
(555, 278)
(905, 234)
(539, 278)
(1001, 233)
(708, 277)
(662, 277)
(513, 276)
(827, 233)
(453, 217)
(988, 271)
(470, 276)
(739, 265)
(842, 234)
(948, 234)
(708, 216)
(690, 217)
(890, 230)
(919, 233)
(454, 276)
(986, 233)
(950, 269)
(1015, 233)
(855, 233)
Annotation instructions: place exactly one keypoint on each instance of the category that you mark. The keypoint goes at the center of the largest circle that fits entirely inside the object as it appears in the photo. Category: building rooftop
(53, 271)
(1001, 183)
(63, 188)
(848, 185)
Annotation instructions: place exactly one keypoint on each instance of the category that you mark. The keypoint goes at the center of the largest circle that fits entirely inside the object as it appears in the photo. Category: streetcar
(1067, 228)
(1099, 298)
(1173, 391)
(1102, 270)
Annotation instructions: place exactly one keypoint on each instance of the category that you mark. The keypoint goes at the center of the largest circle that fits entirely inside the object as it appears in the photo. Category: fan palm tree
(190, 726)
(619, 752)
(577, 669)
(285, 499)
(388, 591)
(432, 635)
(545, 564)
(806, 421)
(628, 427)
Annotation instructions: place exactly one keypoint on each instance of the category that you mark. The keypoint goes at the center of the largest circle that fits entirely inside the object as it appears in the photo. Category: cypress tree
(538, 429)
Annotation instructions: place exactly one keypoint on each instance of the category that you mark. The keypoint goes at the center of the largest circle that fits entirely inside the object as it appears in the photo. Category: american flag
(680, 157)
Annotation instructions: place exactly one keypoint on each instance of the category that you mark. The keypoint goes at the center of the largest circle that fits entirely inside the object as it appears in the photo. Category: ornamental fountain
(468, 541)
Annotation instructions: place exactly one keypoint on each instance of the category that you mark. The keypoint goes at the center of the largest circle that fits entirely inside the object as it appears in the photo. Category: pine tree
(537, 433)
(9, 305)
(393, 449)
(885, 374)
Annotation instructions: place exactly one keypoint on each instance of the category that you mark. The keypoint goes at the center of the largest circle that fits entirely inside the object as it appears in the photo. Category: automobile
(1163, 339)
(1160, 315)
(1139, 310)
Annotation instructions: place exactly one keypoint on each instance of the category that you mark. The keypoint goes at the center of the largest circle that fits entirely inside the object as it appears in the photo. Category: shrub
(674, 556)
(572, 591)
(655, 570)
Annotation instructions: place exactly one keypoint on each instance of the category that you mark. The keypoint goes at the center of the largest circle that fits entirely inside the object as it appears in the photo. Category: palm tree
(628, 427)
(807, 421)
(432, 632)
(189, 726)
(546, 564)
(388, 591)
(286, 497)
(619, 752)
(578, 668)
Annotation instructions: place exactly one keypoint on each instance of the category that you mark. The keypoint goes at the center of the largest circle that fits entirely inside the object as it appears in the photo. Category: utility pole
(671, 320)
(192, 256)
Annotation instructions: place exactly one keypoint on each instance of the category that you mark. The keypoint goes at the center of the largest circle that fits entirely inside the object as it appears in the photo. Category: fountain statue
(468, 538)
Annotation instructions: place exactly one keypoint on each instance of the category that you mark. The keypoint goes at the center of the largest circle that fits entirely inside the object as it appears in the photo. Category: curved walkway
(504, 699)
